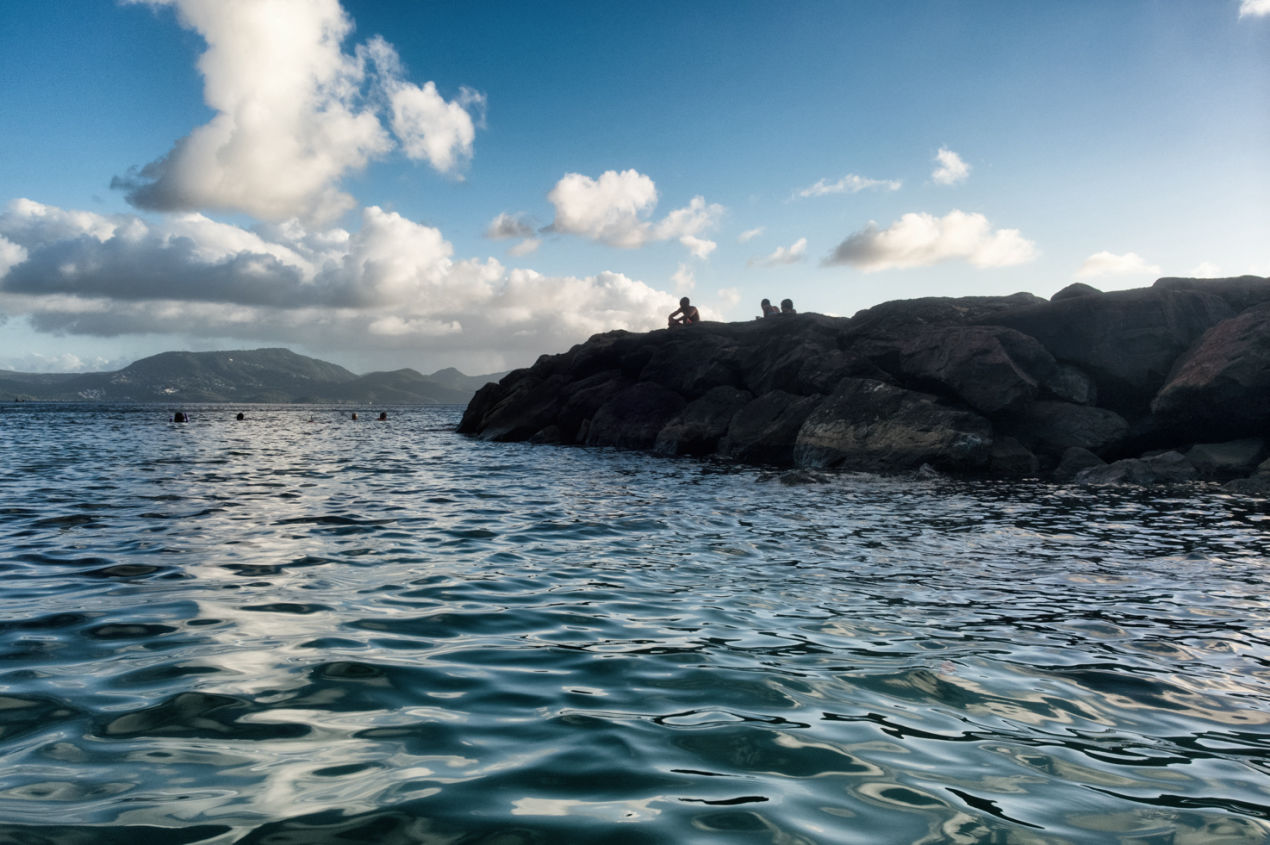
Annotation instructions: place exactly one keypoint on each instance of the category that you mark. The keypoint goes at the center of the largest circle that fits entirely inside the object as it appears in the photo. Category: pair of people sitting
(770, 310)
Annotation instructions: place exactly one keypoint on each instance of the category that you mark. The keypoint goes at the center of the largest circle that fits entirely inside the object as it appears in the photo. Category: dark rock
(579, 401)
(518, 410)
(1072, 385)
(697, 429)
(1165, 468)
(1126, 340)
(1008, 386)
(1011, 459)
(872, 426)
(692, 365)
(633, 418)
(1257, 484)
(1222, 385)
(1075, 459)
(1240, 292)
(1074, 290)
(1224, 461)
(1053, 427)
(764, 431)
(972, 362)
(795, 477)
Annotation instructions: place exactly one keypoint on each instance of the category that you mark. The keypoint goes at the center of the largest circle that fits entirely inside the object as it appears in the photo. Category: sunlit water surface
(302, 629)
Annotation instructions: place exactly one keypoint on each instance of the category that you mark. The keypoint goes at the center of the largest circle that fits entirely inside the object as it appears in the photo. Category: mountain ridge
(272, 374)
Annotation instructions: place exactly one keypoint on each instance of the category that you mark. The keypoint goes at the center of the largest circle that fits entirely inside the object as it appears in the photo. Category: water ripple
(308, 630)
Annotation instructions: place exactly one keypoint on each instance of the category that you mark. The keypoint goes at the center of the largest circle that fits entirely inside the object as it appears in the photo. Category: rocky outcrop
(1016, 386)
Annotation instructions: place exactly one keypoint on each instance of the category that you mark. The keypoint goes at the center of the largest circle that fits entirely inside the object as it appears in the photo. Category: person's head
(766, 303)
(787, 305)
(683, 302)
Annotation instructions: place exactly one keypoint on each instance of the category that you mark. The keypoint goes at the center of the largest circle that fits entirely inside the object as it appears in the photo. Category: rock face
(1011, 386)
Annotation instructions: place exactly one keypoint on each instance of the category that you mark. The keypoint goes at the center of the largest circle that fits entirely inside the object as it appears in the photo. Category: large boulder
(1051, 427)
(975, 364)
(633, 418)
(764, 431)
(1240, 292)
(1221, 387)
(1166, 468)
(1224, 461)
(516, 408)
(1126, 340)
(697, 429)
(873, 426)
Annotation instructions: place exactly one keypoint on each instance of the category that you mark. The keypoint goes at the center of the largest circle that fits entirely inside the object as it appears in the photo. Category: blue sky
(408, 184)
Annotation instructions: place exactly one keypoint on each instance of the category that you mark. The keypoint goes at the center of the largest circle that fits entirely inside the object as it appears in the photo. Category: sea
(303, 628)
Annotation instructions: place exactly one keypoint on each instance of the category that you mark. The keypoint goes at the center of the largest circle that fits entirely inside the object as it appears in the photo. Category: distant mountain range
(248, 376)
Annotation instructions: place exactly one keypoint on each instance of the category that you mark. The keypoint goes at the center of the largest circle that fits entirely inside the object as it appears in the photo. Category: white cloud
(11, 255)
(293, 114)
(510, 226)
(792, 254)
(428, 126)
(1206, 269)
(699, 247)
(849, 184)
(951, 169)
(614, 210)
(749, 235)
(1109, 264)
(392, 284)
(526, 247)
(920, 240)
(1254, 8)
(730, 297)
(684, 279)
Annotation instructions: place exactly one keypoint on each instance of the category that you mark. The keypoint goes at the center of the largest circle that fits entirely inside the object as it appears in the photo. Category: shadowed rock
(1222, 385)
(1007, 386)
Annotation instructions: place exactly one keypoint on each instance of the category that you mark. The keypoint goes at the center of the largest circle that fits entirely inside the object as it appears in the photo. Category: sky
(386, 184)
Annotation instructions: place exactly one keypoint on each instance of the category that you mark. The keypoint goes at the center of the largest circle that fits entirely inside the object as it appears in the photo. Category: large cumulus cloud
(294, 114)
(393, 284)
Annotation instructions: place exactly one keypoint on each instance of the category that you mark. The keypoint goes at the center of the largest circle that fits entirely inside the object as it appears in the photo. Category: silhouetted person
(240, 416)
(354, 415)
(383, 416)
(180, 416)
(787, 306)
(685, 315)
(769, 310)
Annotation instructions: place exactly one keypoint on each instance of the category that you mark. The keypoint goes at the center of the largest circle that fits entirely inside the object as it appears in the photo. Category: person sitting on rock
(685, 315)
(787, 306)
(769, 310)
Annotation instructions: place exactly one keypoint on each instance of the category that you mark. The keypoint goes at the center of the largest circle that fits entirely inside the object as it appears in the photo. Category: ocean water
(302, 629)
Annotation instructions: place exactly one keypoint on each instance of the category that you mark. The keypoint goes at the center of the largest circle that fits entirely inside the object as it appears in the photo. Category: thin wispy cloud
(615, 209)
(951, 170)
(294, 114)
(1110, 264)
(852, 183)
(749, 235)
(791, 254)
(920, 240)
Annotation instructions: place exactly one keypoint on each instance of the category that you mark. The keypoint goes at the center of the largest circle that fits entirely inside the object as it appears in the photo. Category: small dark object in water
(383, 416)
(180, 416)
(354, 415)
(240, 416)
